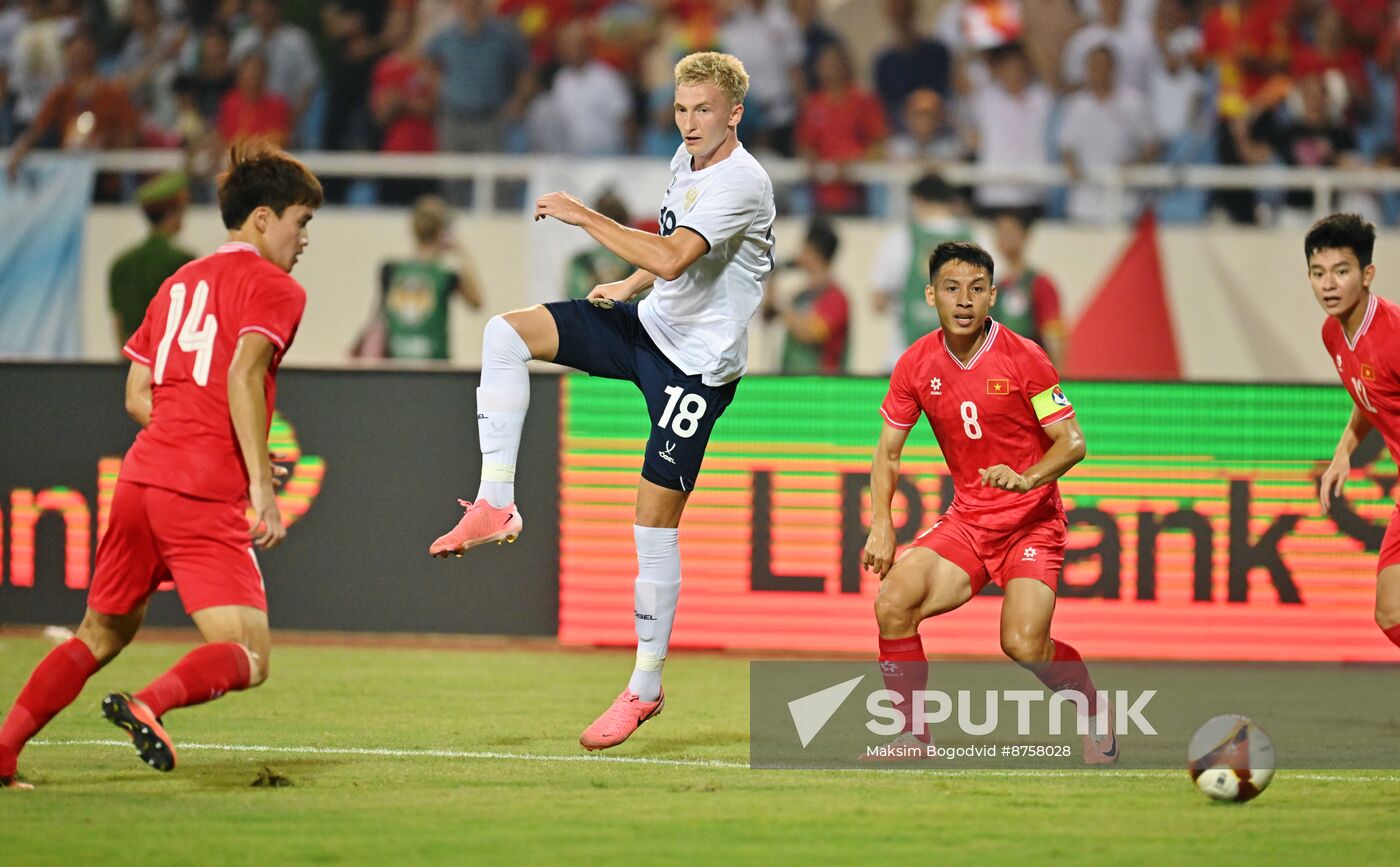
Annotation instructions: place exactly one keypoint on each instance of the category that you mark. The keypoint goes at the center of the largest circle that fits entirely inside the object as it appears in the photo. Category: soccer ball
(1231, 758)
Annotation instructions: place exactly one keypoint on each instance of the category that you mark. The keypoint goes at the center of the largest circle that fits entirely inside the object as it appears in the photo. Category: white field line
(679, 763)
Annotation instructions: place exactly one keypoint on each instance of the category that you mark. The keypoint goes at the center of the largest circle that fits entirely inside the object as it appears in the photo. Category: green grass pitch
(479, 763)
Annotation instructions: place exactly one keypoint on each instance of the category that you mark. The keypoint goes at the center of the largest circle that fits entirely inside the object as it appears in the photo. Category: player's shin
(905, 670)
(55, 683)
(203, 674)
(657, 590)
(1067, 671)
(501, 403)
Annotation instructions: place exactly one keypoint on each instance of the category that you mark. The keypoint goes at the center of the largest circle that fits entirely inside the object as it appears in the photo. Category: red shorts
(1390, 545)
(154, 534)
(1036, 551)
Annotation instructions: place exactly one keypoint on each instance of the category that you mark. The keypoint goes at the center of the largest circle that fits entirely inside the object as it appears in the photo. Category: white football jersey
(700, 320)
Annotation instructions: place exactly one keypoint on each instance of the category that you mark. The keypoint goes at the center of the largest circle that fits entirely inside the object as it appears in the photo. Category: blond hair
(724, 71)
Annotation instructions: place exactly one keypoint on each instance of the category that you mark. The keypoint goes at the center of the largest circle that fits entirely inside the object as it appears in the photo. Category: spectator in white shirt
(765, 37)
(1010, 124)
(1104, 126)
(1130, 39)
(588, 109)
(1176, 85)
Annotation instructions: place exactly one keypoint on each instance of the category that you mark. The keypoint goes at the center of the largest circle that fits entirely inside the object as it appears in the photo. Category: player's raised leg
(1026, 613)
(58, 679)
(920, 585)
(656, 593)
(1388, 602)
(234, 657)
(508, 344)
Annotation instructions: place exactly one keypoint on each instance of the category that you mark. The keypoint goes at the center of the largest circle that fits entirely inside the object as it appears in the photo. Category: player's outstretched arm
(666, 257)
(1066, 450)
(247, 404)
(138, 393)
(1334, 478)
(625, 289)
(878, 556)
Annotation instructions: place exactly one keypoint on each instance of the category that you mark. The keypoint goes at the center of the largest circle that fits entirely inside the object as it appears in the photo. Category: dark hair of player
(1342, 232)
(822, 238)
(932, 188)
(958, 251)
(261, 174)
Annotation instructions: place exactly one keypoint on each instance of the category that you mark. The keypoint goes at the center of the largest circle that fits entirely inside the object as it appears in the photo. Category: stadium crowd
(1084, 83)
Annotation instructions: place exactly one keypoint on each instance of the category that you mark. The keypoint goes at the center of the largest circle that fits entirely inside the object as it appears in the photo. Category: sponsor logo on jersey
(935, 385)
(1028, 555)
(998, 386)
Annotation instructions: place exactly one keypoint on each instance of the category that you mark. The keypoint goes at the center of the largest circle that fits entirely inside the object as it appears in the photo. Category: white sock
(501, 402)
(657, 590)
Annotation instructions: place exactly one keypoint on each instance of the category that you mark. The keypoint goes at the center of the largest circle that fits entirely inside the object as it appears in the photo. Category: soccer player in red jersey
(1362, 336)
(201, 385)
(1007, 432)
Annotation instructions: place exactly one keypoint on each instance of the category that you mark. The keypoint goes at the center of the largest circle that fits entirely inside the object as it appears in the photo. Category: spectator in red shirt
(818, 318)
(1329, 53)
(839, 124)
(250, 110)
(402, 93)
(84, 112)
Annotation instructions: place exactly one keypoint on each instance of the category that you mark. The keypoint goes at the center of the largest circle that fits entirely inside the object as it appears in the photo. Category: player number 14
(196, 334)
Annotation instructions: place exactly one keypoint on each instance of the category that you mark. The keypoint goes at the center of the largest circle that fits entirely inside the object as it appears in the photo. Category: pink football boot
(619, 721)
(482, 523)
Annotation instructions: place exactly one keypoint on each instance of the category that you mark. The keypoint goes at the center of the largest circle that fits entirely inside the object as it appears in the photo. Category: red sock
(1393, 633)
(905, 669)
(56, 681)
(1068, 671)
(204, 674)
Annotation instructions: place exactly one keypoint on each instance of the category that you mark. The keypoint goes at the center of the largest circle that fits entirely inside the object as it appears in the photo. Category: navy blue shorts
(610, 342)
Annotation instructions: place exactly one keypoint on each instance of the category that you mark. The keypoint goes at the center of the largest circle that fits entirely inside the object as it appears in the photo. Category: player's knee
(1387, 616)
(102, 640)
(1023, 647)
(894, 614)
(257, 667)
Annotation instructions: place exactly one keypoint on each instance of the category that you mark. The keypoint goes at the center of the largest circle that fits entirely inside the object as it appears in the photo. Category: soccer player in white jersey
(684, 346)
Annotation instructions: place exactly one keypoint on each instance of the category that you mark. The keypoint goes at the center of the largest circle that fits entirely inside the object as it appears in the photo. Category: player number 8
(969, 417)
(687, 415)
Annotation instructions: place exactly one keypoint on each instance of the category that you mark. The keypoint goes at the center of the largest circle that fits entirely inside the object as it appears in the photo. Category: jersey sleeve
(138, 346)
(274, 311)
(1041, 383)
(901, 406)
(726, 207)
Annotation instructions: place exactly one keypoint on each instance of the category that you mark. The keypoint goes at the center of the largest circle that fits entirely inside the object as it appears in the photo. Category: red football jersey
(993, 410)
(187, 339)
(1369, 365)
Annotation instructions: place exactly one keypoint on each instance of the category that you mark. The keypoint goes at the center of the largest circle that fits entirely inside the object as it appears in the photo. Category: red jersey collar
(237, 247)
(1371, 306)
(987, 344)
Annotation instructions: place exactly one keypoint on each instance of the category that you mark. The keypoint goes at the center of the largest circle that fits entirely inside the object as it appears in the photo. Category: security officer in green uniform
(901, 267)
(414, 292)
(137, 274)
